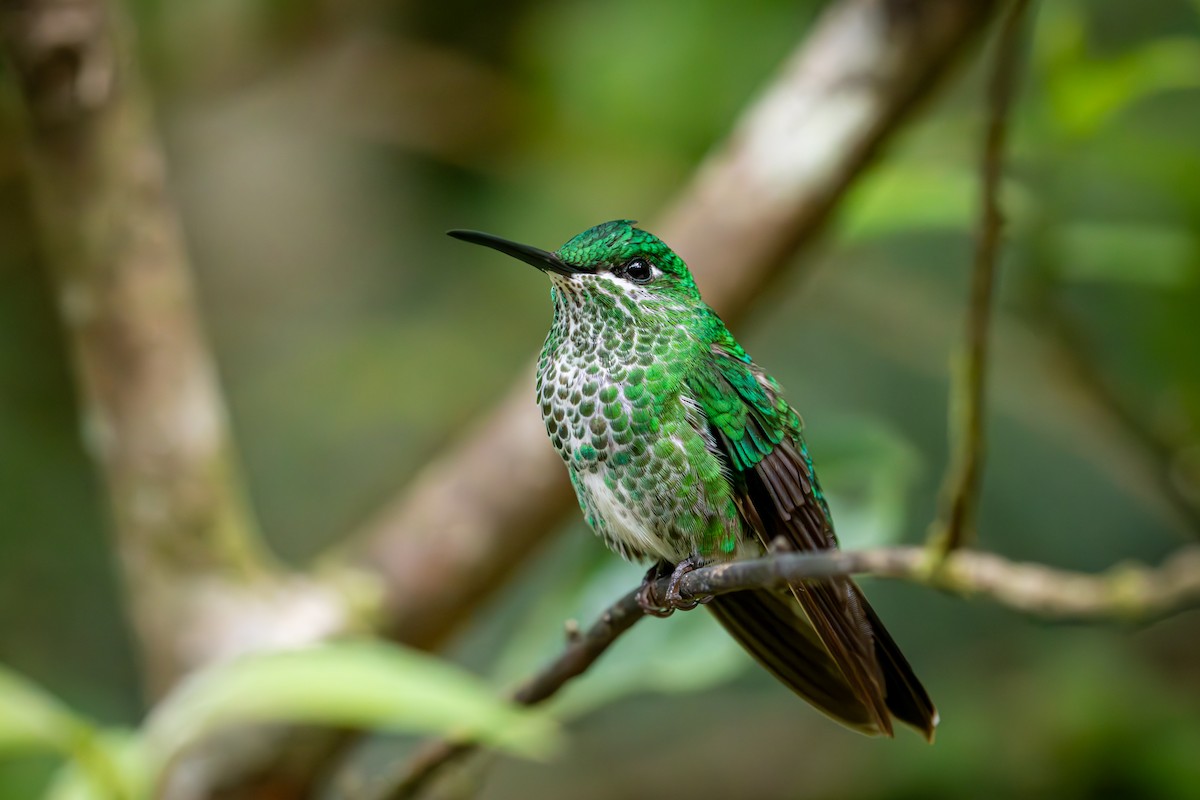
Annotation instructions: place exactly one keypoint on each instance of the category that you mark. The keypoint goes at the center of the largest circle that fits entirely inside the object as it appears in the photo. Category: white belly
(621, 523)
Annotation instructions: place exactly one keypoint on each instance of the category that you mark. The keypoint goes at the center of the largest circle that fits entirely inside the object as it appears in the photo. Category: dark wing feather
(835, 606)
(863, 678)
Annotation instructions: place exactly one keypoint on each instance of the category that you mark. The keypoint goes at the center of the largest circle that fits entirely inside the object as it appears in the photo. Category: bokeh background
(317, 152)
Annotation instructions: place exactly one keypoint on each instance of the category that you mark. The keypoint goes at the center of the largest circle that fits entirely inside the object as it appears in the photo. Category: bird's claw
(675, 598)
(647, 594)
(654, 605)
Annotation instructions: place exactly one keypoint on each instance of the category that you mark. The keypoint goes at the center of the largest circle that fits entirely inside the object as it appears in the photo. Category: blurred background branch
(199, 584)
(968, 398)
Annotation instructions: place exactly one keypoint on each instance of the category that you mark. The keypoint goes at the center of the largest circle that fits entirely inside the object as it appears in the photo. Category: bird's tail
(773, 629)
(906, 697)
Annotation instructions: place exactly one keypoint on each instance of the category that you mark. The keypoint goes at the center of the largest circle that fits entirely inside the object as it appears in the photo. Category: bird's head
(612, 268)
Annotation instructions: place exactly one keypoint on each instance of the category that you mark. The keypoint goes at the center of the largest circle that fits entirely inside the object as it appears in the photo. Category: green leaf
(358, 684)
(113, 767)
(1086, 92)
(32, 720)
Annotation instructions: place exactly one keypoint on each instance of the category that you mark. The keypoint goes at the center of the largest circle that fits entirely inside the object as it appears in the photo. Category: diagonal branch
(1125, 593)
(968, 408)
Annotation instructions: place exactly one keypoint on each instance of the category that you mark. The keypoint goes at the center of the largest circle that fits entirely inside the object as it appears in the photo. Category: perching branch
(969, 389)
(1127, 593)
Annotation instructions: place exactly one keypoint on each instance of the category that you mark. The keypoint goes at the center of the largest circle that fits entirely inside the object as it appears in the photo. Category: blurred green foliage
(317, 158)
(363, 685)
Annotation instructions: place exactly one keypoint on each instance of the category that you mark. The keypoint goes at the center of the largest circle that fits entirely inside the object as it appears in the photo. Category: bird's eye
(638, 270)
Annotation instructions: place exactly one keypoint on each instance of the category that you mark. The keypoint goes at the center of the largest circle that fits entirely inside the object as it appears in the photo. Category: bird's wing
(759, 437)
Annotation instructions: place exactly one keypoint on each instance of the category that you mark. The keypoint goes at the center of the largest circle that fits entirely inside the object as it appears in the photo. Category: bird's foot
(674, 597)
(656, 605)
(647, 593)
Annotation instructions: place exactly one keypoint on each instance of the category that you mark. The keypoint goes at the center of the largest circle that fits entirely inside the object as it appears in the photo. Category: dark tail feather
(773, 629)
(906, 697)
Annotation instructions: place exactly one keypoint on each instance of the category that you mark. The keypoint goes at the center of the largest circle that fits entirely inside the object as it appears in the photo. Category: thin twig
(968, 397)
(1125, 593)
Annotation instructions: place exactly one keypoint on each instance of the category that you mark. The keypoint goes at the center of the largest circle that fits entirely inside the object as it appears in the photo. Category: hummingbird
(683, 451)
